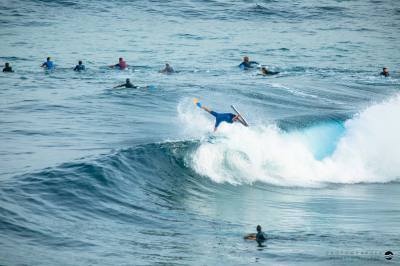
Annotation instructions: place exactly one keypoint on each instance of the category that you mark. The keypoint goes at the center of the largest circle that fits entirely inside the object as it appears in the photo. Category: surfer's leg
(206, 109)
(215, 114)
(217, 121)
(196, 102)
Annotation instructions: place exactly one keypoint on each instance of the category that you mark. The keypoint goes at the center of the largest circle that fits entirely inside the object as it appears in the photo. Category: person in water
(219, 117)
(265, 72)
(127, 84)
(7, 68)
(48, 64)
(385, 72)
(121, 64)
(167, 70)
(247, 63)
(79, 66)
(260, 236)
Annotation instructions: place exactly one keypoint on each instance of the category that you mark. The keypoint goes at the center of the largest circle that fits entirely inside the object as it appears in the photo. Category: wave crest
(364, 149)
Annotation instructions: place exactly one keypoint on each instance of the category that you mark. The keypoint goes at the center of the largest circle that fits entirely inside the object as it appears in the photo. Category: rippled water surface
(91, 175)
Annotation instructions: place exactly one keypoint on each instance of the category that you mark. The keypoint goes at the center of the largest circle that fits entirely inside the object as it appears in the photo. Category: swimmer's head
(246, 58)
(264, 70)
(385, 69)
(80, 62)
(258, 228)
(166, 64)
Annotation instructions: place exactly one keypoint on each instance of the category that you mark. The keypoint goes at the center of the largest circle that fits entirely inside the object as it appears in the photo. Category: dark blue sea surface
(91, 175)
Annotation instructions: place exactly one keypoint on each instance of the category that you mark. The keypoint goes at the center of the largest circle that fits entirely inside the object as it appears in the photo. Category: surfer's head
(121, 59)
(80, 62)
(258, 228)
(48, 58)
(128, 80)
(246, 58)
(264, 70)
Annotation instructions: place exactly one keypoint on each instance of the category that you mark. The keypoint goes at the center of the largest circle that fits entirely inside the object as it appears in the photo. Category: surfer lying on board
(127, 84)
(219, 117)
(265, 72)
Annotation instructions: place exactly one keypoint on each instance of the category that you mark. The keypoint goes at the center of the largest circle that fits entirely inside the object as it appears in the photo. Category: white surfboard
(240, 118)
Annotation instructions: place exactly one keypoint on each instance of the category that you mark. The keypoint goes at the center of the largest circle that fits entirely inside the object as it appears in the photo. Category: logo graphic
(388, 255)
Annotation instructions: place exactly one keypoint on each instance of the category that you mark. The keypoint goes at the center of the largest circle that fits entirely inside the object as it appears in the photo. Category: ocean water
(91, 175)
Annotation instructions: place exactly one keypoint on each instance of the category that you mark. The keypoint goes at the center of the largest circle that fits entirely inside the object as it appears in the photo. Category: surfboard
(240, 118)
(251, 236)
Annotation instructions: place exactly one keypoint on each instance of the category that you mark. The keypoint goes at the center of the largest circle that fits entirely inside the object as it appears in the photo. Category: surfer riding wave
(221, 117)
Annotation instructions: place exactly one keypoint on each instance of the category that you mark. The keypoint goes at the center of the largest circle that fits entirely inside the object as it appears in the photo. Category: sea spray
(362, 149)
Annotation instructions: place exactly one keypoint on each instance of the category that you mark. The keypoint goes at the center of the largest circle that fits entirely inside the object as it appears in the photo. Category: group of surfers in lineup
(219, 117)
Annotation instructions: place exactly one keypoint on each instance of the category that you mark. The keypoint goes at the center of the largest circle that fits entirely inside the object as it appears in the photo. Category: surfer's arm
(119, 86)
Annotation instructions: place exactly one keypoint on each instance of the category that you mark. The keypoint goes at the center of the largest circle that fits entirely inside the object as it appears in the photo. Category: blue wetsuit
(246, 65)
(48, 64)
(222, 117)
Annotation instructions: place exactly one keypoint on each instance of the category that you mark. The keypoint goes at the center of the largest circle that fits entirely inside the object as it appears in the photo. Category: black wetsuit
(386, 74)
(8, 69)
(130, 85)
(168, 70)
(79, 67)
(261, 238)
(270, 73)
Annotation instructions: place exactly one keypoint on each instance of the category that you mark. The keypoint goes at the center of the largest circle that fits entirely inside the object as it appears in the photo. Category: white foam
(368, 150)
